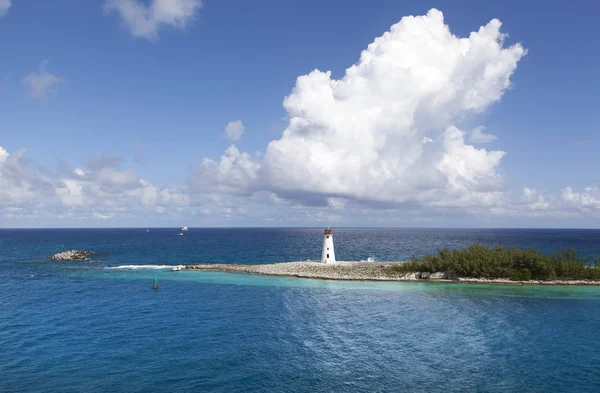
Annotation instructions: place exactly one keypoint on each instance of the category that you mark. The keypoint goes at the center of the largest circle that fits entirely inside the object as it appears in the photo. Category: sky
(150, 113)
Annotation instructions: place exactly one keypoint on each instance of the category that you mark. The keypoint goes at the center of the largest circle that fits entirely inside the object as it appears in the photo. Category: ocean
(98, 326)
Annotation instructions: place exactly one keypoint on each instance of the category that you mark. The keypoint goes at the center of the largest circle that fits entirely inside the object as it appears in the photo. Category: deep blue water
(88, 326)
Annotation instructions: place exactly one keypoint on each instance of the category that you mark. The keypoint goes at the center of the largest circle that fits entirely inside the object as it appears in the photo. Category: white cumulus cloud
(39, 84)
(478, 135)
(234, 130)
(588, 199)
(234, 173)
(17, 184)
(385, 131)
(535, 201)
(145, 21)
(111, 187)
(4, 6)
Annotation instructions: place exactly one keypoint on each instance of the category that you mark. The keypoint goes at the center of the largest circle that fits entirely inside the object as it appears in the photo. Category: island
(475, 264)
(72, 255)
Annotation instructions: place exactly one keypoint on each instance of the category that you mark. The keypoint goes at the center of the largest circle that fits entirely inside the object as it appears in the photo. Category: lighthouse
(328, 255)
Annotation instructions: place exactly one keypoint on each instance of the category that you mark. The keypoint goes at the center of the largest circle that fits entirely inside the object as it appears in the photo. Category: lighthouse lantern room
(328, 255)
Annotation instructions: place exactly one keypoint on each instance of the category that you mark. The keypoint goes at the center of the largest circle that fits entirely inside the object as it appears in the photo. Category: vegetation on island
(480, 261)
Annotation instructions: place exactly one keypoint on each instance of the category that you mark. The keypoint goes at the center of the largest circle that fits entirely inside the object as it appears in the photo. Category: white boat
(177, 268)
(184, 229)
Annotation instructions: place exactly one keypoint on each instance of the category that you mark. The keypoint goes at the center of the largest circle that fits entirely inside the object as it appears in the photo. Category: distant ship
(184, 229)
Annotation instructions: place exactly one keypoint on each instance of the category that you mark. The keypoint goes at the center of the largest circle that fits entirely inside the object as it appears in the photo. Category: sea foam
(141, 267)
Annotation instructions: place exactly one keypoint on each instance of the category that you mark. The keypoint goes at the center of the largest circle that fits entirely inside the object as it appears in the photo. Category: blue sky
(155, 105)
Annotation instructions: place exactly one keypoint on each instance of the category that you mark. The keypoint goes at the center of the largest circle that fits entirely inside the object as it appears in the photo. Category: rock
(72, 255)
(424, 275)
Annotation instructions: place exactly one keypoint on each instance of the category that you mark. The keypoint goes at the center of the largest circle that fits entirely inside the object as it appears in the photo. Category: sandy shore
(369, 271)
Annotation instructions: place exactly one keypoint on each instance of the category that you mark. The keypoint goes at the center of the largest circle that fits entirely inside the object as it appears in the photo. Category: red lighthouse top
(328, 231)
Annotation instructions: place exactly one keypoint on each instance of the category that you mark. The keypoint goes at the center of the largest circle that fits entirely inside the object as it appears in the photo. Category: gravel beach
(369, 271)
(333, 271)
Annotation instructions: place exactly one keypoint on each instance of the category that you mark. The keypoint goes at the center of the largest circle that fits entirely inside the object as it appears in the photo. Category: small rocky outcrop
(451, 276)
(72, 255)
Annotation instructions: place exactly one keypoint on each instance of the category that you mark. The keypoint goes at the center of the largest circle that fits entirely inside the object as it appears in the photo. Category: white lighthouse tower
(328, 255)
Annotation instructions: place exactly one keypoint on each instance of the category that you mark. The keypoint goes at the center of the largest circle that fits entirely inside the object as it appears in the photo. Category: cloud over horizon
(383, 143)
(108, 193)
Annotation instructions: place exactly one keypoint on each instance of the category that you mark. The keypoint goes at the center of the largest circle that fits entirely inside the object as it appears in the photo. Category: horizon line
(303, 227)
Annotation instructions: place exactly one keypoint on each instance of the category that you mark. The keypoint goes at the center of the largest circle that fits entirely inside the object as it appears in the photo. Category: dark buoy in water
(155, 286)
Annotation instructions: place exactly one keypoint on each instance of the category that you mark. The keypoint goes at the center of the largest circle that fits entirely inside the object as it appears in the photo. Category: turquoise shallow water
(76, 326)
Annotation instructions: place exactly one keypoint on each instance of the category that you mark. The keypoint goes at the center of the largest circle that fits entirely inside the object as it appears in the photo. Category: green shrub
(480, 261)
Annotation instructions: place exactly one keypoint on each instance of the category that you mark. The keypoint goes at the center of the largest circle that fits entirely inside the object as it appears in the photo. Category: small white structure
(328, 255)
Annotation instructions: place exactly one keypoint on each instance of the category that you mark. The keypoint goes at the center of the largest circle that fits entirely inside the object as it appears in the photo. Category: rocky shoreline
(364, 271)
(72, 255)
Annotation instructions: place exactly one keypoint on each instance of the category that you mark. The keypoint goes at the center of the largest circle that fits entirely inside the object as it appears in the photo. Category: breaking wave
(141, 267)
